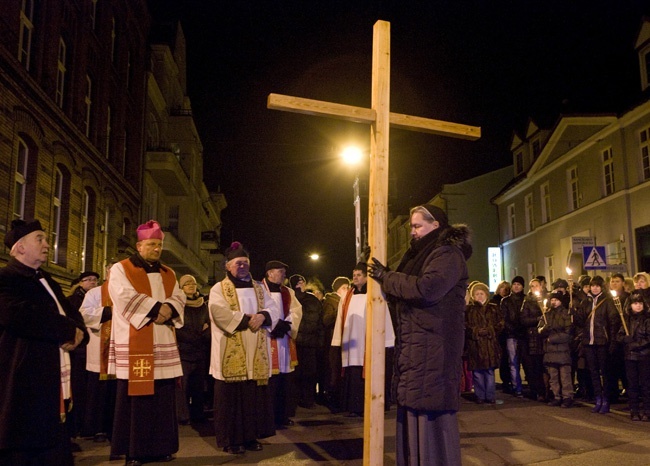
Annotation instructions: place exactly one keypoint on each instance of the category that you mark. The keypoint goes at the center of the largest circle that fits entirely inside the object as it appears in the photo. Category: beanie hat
(597, 280)
(19, 229)
(584, 280)
(560, 283)
(88, 273)
(519, 279)
(150, 230)
(437, 213)
(294, 279)
(636, 297)
(557, 295)
(235, 250)
(339, 282)
(185, 279)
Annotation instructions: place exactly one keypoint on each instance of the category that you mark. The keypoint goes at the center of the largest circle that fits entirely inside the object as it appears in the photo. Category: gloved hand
(281, 329)
(628, 339)
(377, 270)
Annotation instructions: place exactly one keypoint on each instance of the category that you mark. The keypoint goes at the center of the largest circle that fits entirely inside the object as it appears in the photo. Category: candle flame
(569, 271)
(613, 292)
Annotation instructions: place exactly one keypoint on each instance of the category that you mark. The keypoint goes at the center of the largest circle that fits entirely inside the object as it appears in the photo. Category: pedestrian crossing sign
(594, 257)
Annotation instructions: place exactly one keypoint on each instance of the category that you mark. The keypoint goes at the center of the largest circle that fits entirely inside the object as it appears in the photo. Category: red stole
(286, 307)
(104, 336)
(141, 357)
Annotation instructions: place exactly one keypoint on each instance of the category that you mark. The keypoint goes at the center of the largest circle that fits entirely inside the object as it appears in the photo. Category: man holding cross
(427, 295)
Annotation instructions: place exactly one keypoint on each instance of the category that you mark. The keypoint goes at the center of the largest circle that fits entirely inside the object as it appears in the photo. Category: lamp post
(352, 155)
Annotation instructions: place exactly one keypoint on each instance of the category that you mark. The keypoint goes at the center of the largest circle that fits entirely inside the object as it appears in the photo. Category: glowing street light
(352, 155)
(314, 256)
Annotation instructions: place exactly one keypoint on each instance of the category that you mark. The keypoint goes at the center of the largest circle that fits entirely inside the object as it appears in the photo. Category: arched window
(20, 184)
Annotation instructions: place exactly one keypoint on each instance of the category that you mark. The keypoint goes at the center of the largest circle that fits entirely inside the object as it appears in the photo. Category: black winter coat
(606, 321)
(557, 333)
(511, 310)
(311, 330)
(531, 312)
(637, 344)
(31, 331)
(427, 296)
(193, 339)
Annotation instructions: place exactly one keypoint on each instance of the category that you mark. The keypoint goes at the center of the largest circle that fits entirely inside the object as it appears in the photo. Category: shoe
(132, 462)
(645, 418)
(541, 398)
(492, 402)
(100, 437)
(519, 395)
(635, 416)
(164, 459)
(567, 403)
(555, 402)
(288, 423)
(480, 401)
(351, 414)
(75, 447)
(254, 446)
(235, 450)
(599, 403)
(604, 408)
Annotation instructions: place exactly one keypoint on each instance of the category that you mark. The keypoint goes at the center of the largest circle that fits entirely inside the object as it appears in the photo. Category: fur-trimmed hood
(458, 235)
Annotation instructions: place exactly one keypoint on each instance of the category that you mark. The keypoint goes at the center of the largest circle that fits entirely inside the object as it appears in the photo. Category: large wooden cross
(380, 119)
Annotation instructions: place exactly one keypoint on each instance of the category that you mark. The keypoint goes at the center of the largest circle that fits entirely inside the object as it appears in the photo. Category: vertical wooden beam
(373, 448)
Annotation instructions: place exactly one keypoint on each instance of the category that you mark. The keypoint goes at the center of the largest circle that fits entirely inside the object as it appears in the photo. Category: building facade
(585, 179)
(75, 95)
(173, 188)
(466, 202)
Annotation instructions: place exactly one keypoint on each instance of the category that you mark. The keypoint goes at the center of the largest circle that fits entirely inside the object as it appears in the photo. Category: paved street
(519, 431)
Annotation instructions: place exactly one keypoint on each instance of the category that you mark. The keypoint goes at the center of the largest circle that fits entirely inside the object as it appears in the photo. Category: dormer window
(519, 162)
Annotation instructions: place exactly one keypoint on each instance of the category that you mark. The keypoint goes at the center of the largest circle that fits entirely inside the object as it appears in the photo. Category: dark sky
(487, 63)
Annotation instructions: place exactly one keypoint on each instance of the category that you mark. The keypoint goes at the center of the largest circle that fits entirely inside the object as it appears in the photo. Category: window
(173, 220)
(107, 153)
(124, 151)
(549, 269)
(26, 33)
(57, 196)
(530, 221)
(113, 40)
(511, 221)
(608, 171)
(60, 74)
(573, 188)
(519, 163)
(88, 104)
(20, 186)
(93, 14)
(85, 211)
(537, 148)
(644, 143)
(546, 202)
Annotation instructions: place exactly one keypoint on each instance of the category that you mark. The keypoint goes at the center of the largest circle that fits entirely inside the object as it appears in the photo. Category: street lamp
(352, 155)
(314, 256)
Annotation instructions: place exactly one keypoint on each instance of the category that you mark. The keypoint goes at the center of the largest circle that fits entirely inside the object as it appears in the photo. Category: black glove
(365, 253)
(377, 270)
(281, 329)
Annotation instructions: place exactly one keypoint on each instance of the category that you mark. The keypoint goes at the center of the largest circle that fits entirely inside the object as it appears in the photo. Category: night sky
(491, 64)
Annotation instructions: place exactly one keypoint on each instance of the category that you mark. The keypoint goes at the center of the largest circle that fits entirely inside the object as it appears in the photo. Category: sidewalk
(519, 431)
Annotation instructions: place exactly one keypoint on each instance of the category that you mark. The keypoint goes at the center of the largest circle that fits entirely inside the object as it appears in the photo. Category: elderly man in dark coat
(38, 328)
(427, 296)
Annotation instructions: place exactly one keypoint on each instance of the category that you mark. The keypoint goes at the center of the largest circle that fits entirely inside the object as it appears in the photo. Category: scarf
(234, 359)
(105, 337)
(286, 307)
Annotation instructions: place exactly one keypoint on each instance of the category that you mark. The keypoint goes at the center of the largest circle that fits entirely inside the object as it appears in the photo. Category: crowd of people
(588, 339)
(130, 359)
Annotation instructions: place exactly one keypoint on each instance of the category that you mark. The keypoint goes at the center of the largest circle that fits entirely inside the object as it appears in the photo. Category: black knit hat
(519, 279)
(236, 249)
(598, 281)
(557, 295)
(20, 228)
(584, 280)
(437, 213)
(560, 283)
(636, 297)
(88, 273)
(294, 279)
(339, 282)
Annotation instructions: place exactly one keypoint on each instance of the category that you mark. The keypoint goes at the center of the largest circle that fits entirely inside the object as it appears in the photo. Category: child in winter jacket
(636, 337)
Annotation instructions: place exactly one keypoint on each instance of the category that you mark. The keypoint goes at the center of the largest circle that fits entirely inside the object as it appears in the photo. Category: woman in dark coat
(483, 324)
(427, 296)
